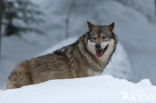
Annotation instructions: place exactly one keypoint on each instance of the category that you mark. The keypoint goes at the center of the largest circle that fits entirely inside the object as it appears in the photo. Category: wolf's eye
(94, 38)
(103, 37)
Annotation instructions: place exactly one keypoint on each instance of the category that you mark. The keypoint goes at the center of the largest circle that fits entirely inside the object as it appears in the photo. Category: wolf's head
(101, 39)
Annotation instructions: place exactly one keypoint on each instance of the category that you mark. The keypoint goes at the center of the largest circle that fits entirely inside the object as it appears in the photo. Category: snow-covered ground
(98, 89)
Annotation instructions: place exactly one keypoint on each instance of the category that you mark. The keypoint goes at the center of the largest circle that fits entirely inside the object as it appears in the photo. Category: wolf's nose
(97, 46)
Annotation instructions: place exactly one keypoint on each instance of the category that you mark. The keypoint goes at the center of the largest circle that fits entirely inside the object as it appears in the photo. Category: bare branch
(1, 12)
(155, 7)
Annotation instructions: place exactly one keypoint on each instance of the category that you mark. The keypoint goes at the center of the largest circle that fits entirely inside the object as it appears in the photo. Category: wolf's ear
(111, 26)
(90, 25)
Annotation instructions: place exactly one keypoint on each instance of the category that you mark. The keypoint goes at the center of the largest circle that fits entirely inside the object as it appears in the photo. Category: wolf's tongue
(98, 53)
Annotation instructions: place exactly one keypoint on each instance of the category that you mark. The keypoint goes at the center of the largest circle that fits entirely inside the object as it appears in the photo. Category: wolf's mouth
(100, 52)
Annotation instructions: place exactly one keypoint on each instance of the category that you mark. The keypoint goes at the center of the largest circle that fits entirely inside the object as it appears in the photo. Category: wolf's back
(41, 69)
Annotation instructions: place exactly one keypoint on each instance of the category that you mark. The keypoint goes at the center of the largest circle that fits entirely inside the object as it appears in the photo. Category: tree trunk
(155, 7)
(1, 12)
(68, 18)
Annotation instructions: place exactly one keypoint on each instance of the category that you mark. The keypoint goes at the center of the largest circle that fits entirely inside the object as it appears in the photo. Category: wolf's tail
(20, 76)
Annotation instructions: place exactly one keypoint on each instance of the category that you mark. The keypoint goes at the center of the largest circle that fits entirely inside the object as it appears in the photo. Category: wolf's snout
(97, 46)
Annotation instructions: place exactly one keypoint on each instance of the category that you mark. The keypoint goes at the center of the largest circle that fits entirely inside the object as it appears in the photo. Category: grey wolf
(88, 56)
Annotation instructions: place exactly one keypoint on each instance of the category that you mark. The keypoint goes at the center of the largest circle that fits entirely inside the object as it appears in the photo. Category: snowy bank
(98, 89)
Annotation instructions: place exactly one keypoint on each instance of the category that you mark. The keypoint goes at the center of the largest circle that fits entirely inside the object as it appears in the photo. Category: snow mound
(119, 65)
(60, 45)
(98, 89)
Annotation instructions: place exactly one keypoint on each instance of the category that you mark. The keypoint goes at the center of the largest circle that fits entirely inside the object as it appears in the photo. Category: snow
(60, 45)
(98, 89)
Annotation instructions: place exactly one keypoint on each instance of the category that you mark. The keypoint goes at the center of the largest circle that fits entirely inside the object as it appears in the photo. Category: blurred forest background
(28, 27)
